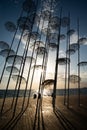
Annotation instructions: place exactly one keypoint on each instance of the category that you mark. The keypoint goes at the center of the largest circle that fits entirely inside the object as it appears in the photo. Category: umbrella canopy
(48, 82)
(45, 30)
(83, 63)
(48, 31)
(4, 45)
(29, 6)
(63, 61)
(24, 23)
(70, 32)
(70, 51)
(38, 66)
(35, 17)
(41, 50)
(65, 21)
(74, 78)
(5, 52)
(37, 44)
(54, 22)
(18, 77)
(74, 46)
(10, 26)
(28, 35)
(29, 58)
(18, 59)
(52, 46)
(14, 69)
(83, 41)
(46, 14)
(62, 36)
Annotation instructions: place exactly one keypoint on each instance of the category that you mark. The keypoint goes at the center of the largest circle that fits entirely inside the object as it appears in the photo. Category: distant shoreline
(59, 92)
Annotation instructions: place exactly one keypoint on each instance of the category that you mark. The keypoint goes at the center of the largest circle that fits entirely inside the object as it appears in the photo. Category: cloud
(74, 38)
(22, 41)
(18, 37)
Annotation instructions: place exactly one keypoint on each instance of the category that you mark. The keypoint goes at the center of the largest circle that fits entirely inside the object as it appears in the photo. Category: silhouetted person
(35, 96)
(39, 95)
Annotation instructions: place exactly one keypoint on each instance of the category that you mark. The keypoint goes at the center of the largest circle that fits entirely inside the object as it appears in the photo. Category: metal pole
(68, 69)
(65, 91)
(78, 64)
(56, 67)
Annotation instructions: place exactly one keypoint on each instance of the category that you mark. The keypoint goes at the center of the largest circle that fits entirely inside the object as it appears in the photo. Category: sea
(59, 92)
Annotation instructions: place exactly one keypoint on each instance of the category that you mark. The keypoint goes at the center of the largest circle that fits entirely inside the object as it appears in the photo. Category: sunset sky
(10, 11)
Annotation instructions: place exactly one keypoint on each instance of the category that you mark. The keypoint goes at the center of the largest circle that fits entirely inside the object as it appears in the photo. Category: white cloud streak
(74, 38)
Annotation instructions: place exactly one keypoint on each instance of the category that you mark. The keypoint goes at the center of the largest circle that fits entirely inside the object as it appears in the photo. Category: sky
(10, 11)
(77, 10)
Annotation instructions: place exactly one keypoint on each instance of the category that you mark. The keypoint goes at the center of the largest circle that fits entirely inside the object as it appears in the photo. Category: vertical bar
(78, 64)
(68, 94)
(65, 89)
(56, 67)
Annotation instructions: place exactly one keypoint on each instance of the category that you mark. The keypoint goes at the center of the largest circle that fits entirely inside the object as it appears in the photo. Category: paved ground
(44, 117)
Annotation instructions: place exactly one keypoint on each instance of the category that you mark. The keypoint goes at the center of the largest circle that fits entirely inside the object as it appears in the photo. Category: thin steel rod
(65, 89)
(78, 64)
(68, 93)
(56, 66)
